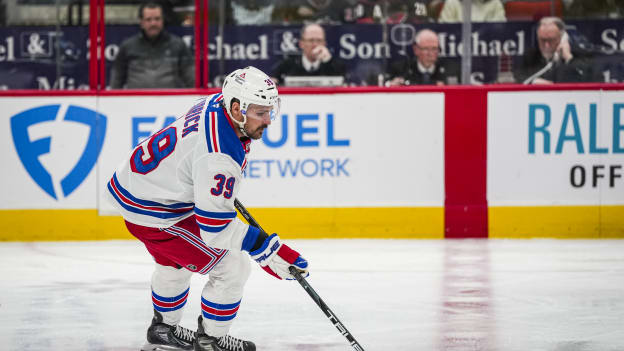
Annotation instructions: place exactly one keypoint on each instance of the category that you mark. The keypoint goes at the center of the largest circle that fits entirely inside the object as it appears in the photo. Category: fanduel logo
(29, 150)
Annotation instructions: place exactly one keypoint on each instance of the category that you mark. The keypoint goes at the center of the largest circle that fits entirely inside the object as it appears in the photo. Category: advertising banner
(345, 151)
(555, 148)
(333, 158)
(51, 147)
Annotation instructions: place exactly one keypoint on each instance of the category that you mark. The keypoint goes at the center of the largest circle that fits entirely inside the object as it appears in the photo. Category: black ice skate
(204, 342)
(228, 343)
(165, 337)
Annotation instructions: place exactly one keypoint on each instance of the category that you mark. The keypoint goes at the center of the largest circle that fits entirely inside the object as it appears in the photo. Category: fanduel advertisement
(556, 148)
(322, 151)
(344, 150)
(51, 149)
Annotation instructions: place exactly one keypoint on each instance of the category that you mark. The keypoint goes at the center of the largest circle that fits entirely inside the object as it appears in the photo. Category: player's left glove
(275, 258)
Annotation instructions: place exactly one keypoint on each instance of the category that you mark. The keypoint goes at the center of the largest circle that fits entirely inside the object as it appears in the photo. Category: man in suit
(423, 68)
(315, 59)
(555, 60)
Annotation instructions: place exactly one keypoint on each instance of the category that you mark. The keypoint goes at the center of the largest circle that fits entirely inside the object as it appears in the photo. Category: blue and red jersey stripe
(220, 133)
(146, 207)
(213, 222)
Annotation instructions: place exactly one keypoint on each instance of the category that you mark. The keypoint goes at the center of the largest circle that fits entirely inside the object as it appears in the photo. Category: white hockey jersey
(192, 167)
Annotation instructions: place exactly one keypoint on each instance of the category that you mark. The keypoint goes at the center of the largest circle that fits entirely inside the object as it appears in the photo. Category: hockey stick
(306, 286)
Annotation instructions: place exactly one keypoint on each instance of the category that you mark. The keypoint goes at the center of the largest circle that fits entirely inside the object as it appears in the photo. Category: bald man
(423, 68)
(315, 59)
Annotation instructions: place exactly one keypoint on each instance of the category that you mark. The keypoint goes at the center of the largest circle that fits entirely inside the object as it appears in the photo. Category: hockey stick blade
(306, 286)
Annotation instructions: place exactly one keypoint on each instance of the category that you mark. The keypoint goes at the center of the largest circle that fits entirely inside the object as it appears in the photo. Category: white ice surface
(507, 295)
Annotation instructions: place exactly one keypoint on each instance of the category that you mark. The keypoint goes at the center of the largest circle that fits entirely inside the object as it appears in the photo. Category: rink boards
(555, 164)
(343, 164)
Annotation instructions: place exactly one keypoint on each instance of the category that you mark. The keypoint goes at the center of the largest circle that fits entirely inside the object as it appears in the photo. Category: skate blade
(157, 347)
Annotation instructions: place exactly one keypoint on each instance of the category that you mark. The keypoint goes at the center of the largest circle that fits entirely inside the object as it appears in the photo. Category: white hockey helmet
(250, 86)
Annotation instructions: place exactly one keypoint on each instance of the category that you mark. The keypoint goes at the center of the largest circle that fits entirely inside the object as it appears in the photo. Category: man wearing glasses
(423, 68)
(556, 59)
(315, 59)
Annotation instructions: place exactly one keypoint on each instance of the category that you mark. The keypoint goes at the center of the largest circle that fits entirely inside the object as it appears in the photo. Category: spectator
(361, 11)
(177, 12)
(595, 9)
(423, 68)
(168, 10)
(555, 60)
(153, 58)
(481, 11)
(242, 12)
(383, 11)
(423, 11)
(252, 12)
(315, 59)
(317, 11)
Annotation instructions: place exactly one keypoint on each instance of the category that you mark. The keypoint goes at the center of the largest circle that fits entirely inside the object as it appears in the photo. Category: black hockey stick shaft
(323, 306)
(243, 211)
(306, 286)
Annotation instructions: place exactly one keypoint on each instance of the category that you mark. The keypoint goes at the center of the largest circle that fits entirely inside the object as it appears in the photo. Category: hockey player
(176, 193)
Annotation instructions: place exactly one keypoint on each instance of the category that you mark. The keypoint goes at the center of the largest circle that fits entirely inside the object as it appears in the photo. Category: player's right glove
(275, 258)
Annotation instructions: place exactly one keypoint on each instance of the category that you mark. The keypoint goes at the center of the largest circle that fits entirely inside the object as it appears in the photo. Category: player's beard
(256, 133)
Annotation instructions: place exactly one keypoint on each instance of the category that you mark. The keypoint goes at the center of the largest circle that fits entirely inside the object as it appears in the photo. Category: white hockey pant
(223, 292)
(224, 289)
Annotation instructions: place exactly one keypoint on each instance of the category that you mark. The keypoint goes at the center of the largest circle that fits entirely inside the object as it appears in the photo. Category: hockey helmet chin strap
(241, 125)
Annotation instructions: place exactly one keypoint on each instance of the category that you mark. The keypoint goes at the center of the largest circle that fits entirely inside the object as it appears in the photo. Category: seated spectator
(241, 12)
(423, 67)
(423, 11)
(383, 11)
(153, 58)
(532, 10)
(171, 18)
(555, 60)
(595, 9)
(252, 12)
(315, 59)
(362, 11)
(356, 11)
(300, 11)
(481, 11)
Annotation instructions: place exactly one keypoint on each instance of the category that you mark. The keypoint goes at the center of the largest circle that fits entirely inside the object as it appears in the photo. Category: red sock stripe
(216, 312)
(164, 304)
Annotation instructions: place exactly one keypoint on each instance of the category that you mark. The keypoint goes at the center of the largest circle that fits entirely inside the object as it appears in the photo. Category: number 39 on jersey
(223, 183)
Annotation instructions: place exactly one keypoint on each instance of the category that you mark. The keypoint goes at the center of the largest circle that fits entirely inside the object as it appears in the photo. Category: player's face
(152, 22)
(258, 119)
